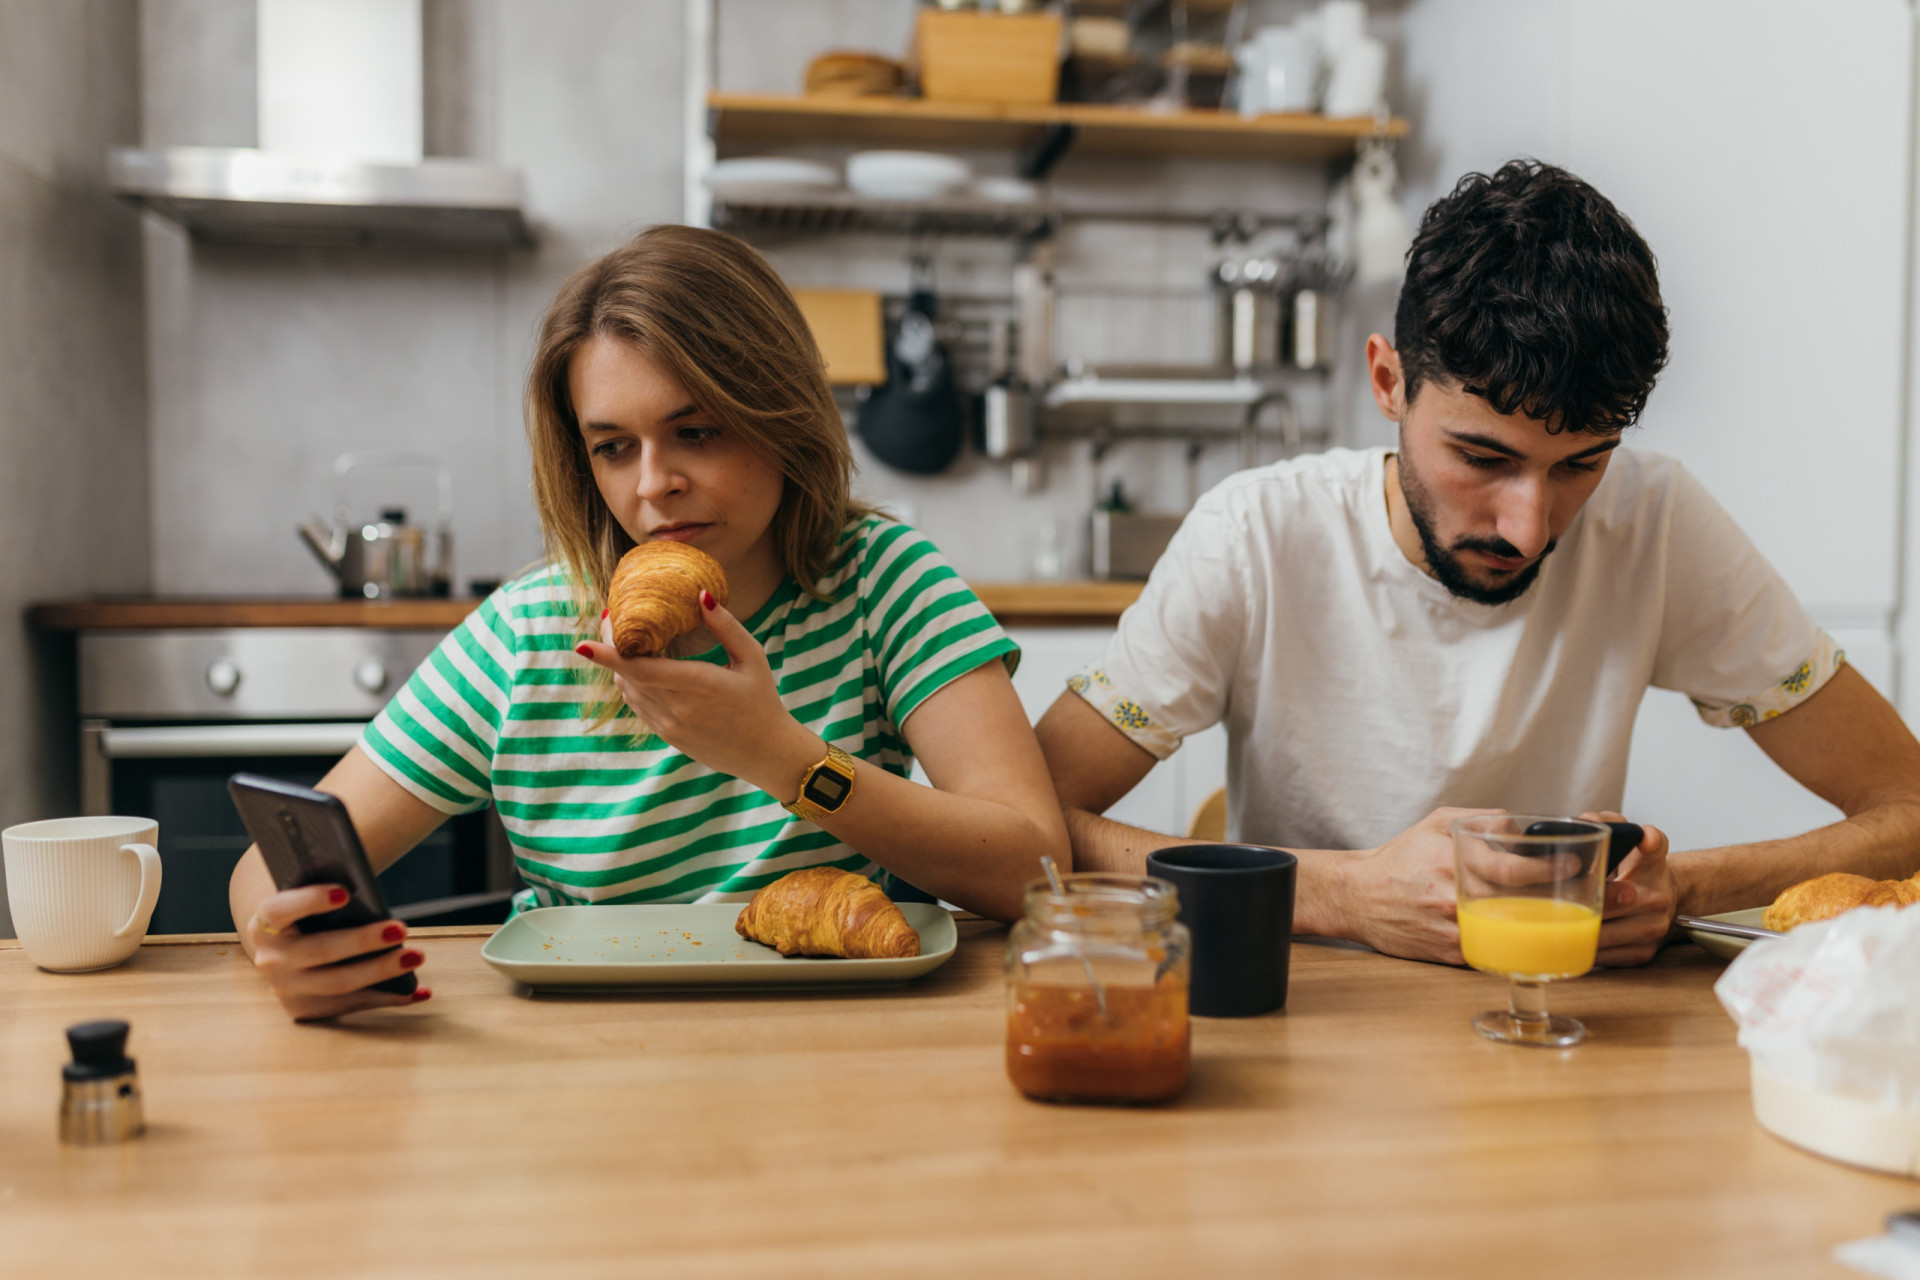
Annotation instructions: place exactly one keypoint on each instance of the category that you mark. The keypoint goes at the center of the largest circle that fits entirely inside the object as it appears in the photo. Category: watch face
(826, 789)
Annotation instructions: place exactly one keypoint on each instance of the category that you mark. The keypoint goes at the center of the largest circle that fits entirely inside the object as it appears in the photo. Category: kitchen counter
(1367, 1131)
(1022, 604)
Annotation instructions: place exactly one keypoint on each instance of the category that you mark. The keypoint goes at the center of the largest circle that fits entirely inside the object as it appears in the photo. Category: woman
(677, 394)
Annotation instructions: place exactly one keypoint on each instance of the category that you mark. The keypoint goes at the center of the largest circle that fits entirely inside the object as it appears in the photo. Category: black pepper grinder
(100, 1102)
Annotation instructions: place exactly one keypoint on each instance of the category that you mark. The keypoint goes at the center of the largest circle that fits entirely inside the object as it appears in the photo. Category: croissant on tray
(655, 595)
(1824, 897)
(824, 911)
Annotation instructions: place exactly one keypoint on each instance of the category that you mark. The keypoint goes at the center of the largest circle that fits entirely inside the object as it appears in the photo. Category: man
(1471, 619)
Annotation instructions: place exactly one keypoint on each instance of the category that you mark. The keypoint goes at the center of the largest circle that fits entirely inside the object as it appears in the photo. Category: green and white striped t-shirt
(501, 712)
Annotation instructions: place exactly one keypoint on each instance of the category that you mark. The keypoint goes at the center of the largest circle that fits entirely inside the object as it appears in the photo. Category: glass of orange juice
(1530, 889)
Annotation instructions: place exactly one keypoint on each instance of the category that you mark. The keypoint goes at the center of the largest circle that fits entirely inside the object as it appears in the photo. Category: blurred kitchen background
(1138, 292)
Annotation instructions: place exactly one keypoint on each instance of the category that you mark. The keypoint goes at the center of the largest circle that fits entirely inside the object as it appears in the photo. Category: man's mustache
(1499, 547)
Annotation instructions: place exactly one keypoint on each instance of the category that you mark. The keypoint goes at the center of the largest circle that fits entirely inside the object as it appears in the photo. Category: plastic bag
(1835, 1006)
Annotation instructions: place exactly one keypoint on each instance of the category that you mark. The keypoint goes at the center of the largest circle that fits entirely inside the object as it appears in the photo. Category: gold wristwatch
(825, 786)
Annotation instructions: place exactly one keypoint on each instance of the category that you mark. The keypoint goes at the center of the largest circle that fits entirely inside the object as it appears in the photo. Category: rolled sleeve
(1800, 684)
(1168, 670)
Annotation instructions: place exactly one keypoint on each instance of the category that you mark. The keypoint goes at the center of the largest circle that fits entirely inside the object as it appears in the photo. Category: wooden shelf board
(744, 120)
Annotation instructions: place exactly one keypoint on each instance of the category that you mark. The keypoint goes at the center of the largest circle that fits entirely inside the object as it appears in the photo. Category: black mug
(1237, 900)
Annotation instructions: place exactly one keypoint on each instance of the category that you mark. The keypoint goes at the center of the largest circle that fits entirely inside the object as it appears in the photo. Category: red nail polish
(411, 959)
(422, 993)
(393, 933)
(707, 601)
(584, 650)
(338, 897)
(604, 613)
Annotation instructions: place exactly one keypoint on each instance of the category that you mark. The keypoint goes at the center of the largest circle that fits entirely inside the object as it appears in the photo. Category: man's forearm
(1881, 842)
(1101, 844)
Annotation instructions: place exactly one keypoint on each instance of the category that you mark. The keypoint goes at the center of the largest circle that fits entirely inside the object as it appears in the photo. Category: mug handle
(149, 888)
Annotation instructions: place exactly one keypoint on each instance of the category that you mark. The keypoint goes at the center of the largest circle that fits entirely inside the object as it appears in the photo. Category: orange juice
(1529, 937)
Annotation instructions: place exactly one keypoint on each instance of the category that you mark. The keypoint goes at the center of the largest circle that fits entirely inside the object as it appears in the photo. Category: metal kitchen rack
(832, 212)
(835, 212)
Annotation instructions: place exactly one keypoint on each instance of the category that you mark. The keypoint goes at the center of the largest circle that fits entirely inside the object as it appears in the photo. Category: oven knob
(370, 674)
(223, 677)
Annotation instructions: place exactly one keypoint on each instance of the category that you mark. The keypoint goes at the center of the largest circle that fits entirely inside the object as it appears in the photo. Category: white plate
(906, 175)
(1719, 944)
(688, 945)
(1006, 190)
(745, 173)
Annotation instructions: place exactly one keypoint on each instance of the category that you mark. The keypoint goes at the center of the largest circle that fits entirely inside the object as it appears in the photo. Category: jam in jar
(1097, 992)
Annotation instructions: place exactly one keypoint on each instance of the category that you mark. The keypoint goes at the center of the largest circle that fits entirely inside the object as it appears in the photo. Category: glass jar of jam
(1097, 991)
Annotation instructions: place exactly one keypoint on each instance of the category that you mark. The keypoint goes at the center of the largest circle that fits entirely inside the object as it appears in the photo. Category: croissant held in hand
(655, 595)
(824, 911)
(1824, 897)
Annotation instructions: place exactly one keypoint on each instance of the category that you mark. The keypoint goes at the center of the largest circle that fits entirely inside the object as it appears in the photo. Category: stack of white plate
(761, 173)
(906, 175)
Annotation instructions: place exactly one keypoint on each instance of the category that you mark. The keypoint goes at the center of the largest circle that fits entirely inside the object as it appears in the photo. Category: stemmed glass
(1530, 889)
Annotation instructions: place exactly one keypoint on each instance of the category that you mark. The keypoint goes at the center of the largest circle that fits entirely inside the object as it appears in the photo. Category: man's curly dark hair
(1528, 288)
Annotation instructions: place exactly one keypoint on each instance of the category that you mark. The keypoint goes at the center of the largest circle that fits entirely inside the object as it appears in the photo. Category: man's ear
(1386, 378)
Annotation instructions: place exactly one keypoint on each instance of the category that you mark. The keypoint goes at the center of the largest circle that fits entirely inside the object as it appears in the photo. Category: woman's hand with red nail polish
(729, 718)
(305, 970)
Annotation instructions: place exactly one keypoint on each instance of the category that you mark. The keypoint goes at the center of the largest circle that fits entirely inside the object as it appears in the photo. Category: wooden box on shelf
(988, 57)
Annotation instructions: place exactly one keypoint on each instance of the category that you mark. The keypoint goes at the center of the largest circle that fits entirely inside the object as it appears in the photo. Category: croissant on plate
(824, 911)
(1824, 897)
(655, 595)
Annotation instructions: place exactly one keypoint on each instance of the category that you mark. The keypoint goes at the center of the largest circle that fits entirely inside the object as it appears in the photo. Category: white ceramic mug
(82, 889)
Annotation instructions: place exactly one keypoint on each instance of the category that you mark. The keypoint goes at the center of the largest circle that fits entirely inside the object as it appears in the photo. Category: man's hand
(1640, 902)
(1399, 898)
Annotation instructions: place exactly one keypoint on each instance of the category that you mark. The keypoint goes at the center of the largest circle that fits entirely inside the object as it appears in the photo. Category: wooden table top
(1028, 604)
(1367, 1131)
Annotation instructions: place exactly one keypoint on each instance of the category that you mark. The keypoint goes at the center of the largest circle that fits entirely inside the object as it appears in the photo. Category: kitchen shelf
(744, 121)
(1016, 603)
(238, 195)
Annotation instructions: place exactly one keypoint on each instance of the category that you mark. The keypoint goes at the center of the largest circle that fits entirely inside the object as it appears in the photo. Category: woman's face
(667, 471)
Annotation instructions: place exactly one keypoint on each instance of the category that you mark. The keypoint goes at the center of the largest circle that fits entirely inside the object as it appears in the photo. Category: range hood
(238, 195)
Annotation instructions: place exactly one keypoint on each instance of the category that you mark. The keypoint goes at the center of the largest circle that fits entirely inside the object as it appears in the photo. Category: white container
(1343, 23)
(1838, 1127)
(1279, 69)
(1358, 84)
(82, 889)
(341, 79)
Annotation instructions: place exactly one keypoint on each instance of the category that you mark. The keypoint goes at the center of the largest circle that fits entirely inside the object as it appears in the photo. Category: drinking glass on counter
(1529, 888)
(1097, 991)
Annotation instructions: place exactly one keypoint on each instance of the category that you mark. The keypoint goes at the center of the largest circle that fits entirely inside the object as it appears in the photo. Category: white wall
(73, 490)
(271, 361)
(1763, 149)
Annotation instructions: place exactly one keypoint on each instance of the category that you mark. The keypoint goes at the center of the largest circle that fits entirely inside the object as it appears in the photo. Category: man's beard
(1446, 566)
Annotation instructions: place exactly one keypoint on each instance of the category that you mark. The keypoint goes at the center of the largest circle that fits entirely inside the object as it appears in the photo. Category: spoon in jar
(1054, 883)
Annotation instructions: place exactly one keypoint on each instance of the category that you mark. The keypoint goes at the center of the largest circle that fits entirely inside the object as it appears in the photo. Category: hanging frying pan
(912, 422)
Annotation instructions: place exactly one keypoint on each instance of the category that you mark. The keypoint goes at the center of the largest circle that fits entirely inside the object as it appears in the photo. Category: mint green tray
(1719, 945)
(688, 945)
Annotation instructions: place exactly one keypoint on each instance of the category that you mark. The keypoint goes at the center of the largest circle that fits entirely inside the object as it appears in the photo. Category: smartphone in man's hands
(305, 837)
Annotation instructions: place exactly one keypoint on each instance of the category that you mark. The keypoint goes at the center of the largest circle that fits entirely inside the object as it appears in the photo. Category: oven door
(170, 715)
(177, 775)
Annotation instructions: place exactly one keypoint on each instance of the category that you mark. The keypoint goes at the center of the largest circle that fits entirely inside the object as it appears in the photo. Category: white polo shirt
(1359, 694)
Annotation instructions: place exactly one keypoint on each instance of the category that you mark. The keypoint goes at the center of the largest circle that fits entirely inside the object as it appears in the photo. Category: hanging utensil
(913, 421)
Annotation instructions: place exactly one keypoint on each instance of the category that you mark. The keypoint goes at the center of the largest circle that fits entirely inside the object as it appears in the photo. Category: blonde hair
(709, 310)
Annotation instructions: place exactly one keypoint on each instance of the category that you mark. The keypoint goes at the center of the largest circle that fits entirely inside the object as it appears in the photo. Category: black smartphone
(306, 837)
(1626, 837)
